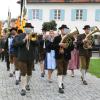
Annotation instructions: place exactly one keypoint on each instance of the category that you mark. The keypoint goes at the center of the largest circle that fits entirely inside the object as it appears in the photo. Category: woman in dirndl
(50, 55)
(74, 61)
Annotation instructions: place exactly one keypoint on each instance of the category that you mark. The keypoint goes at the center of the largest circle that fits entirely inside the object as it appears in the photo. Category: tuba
(68, 38)
(89, 39)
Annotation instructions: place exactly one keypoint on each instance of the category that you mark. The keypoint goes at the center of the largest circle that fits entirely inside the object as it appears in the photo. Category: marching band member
(62, 56)
(42, 46)
(36, 49)
(84, 54)
(11, 50)
(25, 57)
(34, 38)
(17, 69)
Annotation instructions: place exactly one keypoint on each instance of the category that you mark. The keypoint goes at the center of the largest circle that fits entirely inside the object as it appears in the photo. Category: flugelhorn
(68, 38)
(89, 39)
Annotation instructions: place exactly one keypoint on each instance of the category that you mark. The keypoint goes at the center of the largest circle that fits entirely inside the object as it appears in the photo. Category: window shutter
(84, 14)
(73, 14)
(97, 15)
(62, 15)
(52, 14)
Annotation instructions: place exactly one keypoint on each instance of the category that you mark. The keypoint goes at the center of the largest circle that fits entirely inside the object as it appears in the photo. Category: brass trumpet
(89, 39)
(33, 37)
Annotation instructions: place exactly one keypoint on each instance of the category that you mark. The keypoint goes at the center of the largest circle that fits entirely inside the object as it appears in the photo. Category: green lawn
(95, 67)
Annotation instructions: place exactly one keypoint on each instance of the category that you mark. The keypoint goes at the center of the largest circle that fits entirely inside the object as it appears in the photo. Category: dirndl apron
(50, 60)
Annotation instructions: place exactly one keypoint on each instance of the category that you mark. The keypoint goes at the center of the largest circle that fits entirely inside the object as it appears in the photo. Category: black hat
(63, 26)
(13, 28)
(28, 25)
(86, 27)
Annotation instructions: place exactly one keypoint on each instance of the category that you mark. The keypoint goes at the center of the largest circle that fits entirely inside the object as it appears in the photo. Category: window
(79, 14)
(35, 14)
(57, 14)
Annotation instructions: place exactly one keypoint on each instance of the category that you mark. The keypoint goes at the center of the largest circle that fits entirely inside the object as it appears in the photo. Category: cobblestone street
(41, 89)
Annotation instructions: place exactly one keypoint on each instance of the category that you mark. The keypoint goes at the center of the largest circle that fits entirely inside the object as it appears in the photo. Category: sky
(9, 4)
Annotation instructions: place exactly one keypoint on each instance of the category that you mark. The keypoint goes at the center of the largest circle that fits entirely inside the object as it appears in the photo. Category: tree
(53, 25)
(47, 26)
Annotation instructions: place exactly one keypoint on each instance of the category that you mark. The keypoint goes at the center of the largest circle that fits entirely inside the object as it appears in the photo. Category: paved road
(96, 55)
(42, 90)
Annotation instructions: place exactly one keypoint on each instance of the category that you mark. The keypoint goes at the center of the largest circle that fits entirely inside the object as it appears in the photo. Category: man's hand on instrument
(26, 38)
(61, 51)
(2, 50)
(63, 45)
(84, 40)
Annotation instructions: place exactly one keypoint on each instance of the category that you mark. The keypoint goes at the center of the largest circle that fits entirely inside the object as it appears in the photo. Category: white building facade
(71, 14)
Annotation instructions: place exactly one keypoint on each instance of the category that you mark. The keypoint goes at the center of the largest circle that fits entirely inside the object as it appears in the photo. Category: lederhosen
(62, 60)
(16, 52)
(84, 54)
(42, 52)
(25, 56)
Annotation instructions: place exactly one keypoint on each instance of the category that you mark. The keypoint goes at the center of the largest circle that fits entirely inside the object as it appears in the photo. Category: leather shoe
(61, 90)
(85, 83)
(27, 88)
(23, 92)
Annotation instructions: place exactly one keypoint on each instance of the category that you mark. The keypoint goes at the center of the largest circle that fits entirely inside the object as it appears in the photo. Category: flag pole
(9, 20)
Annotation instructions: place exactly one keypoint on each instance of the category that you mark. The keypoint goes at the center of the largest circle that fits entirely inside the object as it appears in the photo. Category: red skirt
(74, 61)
